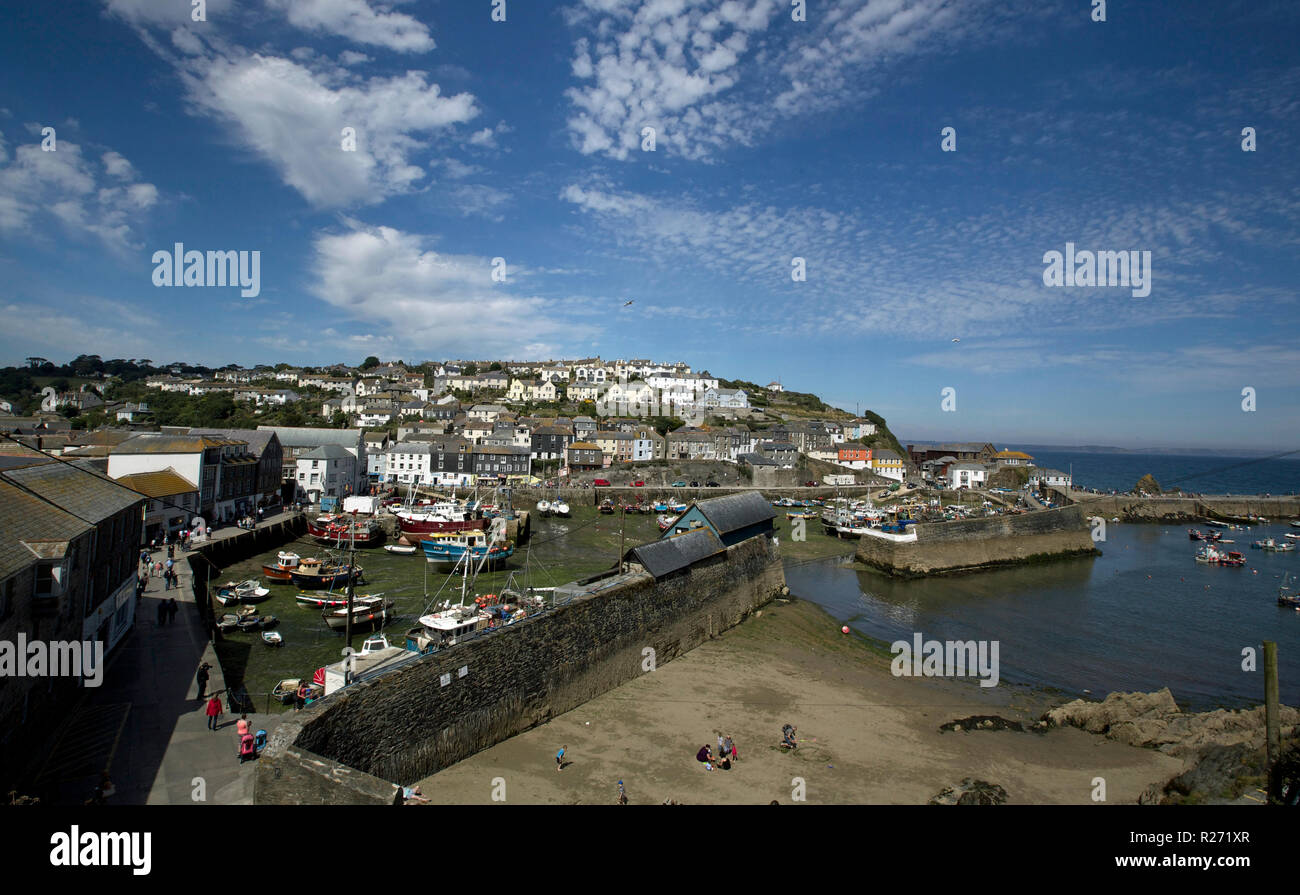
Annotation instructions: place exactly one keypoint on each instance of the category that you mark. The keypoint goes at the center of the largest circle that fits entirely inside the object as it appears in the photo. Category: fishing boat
(802, 515)
(607, 507)
(339, 528)
(1291, 537)
(543, 507)
(1286, 595)
(447, 551)
(1294, 523)
(660, 506)
(665, 522)
(404, 549)
(314, 574)
(677, 507)
(559, 508)
(273, 638)
(1211, 555)
(1214, 524)
(370, 611)
(282, 569)
(322, 599)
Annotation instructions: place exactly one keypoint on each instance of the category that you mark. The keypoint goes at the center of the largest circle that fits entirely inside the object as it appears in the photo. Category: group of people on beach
(726, 754)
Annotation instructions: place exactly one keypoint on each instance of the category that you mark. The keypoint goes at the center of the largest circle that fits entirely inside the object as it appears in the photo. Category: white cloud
(710, 76)
(358, 21)
(103, 199)
(293, 116)
(433, 303)
(167, 12)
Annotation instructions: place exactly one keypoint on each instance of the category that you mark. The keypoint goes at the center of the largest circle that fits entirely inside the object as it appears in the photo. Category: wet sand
(865, 737)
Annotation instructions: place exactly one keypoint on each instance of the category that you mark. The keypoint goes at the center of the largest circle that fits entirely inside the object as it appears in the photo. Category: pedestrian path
(146, 725)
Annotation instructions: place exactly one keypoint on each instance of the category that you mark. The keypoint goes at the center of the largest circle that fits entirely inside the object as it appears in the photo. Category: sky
(786, 137)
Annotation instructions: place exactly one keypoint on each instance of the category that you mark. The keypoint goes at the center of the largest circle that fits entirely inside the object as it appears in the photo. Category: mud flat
(866, 737)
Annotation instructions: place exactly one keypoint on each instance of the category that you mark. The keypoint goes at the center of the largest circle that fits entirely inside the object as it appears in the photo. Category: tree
(369, 362)
(339, 420)
(469, 370)
(495, 367)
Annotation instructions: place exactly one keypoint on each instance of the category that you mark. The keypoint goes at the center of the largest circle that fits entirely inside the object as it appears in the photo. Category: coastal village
(110, 469)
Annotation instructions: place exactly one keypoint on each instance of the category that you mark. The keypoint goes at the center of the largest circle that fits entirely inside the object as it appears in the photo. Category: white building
(327, 471)
(967, 475)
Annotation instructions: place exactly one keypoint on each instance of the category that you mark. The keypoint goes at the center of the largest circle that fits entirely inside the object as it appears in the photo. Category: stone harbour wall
(972, 544)
(407, 724)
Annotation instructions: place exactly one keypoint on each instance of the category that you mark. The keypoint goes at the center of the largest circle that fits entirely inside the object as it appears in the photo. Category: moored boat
(282, 568)
(322, 599)
(313, 574)
(404, 549)
(272, 638)
(370, 611)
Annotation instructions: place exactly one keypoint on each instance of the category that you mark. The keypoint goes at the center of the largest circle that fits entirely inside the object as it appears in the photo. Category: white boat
(404, 549)
(272, 638)
(560, 508)
(374, 644)
(543, 508)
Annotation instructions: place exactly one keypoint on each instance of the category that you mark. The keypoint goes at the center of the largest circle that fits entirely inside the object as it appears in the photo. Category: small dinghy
(272, 638)
(227, 622)
(285, 690)
(404, 549)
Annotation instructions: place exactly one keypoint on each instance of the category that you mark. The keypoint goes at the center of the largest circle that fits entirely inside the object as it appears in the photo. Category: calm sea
(1142, 616)
(1205, 475)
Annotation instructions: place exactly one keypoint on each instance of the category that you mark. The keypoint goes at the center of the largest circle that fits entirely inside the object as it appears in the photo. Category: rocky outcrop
(1155, 721)
(971, 792)
(1224, 749)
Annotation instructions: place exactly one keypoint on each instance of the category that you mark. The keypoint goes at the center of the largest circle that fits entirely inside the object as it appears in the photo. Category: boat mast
(352, 554)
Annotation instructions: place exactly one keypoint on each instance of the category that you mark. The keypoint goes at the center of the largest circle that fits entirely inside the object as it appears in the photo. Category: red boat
(345, 530)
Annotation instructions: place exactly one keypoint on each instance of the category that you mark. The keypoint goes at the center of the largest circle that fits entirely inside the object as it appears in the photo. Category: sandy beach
(865, 737)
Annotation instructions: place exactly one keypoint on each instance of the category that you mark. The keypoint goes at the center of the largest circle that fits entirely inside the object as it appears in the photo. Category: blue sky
(775, 139)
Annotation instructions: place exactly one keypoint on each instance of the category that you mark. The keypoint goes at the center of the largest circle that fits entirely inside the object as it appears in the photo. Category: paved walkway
(146, 725)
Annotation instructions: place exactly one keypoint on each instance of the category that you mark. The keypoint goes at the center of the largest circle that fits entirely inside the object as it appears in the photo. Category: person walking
(214, 711)
(559, 758)
(172, 606)
(202, 678)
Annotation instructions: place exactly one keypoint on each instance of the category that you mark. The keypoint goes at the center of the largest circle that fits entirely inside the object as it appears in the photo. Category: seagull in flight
(626, 303)
(956, 340)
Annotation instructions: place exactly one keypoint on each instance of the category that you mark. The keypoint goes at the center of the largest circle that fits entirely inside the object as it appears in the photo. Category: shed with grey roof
(673, 554)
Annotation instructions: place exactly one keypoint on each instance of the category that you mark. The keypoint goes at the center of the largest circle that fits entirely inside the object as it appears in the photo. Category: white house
(967, 475)
(1050, 477)
(327, 471)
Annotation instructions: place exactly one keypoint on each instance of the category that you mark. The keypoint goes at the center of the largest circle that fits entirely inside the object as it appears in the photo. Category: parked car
(638, 484)
(711, 484)
(679, 484)
(884, 493)
(810, 484)
(695, 484)
(601, 483)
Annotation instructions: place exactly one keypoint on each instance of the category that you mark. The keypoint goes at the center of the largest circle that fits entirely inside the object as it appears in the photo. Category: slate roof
(733, 512)
(29, 527)
(76, 489)
(309, 436)
(169, 444)
(327, 452)
(257, 439)
(671, 554)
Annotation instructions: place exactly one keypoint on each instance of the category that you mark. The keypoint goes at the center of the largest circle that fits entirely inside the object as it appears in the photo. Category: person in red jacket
(214, 711)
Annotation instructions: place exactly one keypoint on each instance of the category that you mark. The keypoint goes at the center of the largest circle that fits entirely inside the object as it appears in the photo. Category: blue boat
(448, 552)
